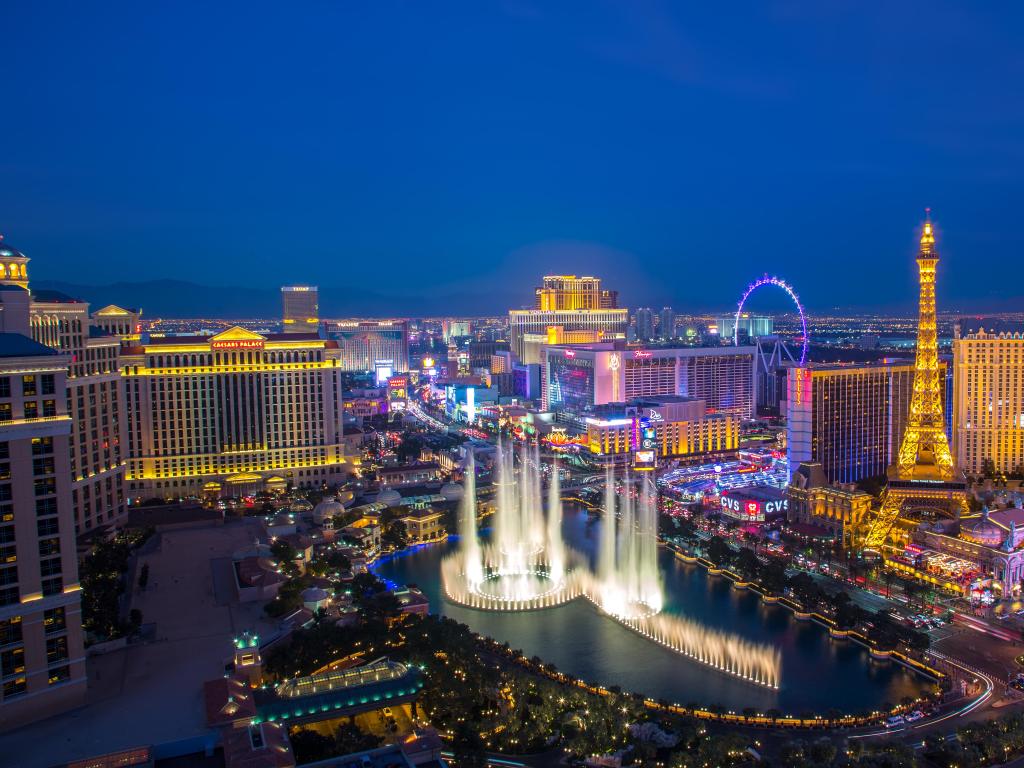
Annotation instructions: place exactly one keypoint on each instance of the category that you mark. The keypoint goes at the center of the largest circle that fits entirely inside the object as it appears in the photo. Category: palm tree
(911, 589)
(889, 577)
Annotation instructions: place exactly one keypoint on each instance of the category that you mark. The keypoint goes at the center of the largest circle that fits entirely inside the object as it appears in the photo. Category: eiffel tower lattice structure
(922, 483)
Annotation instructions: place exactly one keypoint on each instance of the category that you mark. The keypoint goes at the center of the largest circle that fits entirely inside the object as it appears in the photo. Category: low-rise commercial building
(424, 523)
(682, 429)
(843, 510)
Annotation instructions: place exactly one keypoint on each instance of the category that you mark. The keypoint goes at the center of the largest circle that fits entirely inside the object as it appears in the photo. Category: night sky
(430, 149)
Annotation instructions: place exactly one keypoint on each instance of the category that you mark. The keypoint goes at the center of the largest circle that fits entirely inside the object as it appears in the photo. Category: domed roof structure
(314, 595)
(389, 496)
(452, 491)
(301, 505)
(13, 265)
(982, 531)
(7, 250)
(327, 508)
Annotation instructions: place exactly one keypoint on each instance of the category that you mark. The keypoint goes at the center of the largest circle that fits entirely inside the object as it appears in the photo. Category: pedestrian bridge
(339, 693)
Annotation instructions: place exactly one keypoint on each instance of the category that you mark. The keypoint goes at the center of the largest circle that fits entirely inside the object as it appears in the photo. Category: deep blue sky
(427, 147)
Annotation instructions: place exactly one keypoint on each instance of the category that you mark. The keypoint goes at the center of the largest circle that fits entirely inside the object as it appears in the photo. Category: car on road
(895, 721)
(914, 716)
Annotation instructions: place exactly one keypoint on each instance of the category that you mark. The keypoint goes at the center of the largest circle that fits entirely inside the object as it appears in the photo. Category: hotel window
(12, 662)
(28, 386)
(59, 675)
(10, 631)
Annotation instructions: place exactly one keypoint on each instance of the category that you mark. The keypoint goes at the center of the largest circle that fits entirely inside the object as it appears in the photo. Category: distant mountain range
(183, 299)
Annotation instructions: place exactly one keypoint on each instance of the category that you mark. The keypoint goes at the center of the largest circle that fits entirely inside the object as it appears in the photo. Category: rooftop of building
(19, 345)
(8, 251)
(761, 492)
(405, 467)
(663, 400)
(990, 326)
(421, 513)
(888, 362)
(203, 338)
(264, 745)
(391, 756)
(47, 296)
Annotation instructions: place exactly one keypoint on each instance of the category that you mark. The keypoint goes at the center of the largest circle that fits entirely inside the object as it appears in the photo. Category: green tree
(718, 551)
(395, 534)
(310, 746)
(746, 564)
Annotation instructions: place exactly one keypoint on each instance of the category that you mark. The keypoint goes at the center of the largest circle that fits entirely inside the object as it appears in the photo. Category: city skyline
(689, 145)
(511, 385)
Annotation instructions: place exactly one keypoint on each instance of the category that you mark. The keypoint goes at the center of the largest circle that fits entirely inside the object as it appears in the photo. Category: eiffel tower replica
(922, 484)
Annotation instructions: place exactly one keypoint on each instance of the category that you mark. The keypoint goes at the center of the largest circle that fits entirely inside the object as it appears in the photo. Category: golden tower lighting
(922, 480)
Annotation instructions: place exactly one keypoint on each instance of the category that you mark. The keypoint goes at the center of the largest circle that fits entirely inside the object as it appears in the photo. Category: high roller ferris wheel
(778, 283)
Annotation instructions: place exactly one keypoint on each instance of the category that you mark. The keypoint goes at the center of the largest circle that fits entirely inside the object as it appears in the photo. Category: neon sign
(237, 344)
(643, 354)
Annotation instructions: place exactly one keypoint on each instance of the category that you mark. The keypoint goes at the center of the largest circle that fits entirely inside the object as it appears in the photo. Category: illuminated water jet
(527, 565)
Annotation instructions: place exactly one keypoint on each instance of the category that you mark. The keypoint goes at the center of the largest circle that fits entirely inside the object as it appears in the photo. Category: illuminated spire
(928, 235)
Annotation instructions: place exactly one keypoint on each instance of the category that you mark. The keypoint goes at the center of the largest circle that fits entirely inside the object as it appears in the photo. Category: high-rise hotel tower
(988, 396)
(573, 304)
(232, 414)
(95, 394)
(42, 663)
(300, 305)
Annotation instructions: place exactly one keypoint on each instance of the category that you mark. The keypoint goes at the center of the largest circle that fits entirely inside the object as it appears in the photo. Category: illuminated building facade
(751, 326)
(847, 418)
(455, 329)
(42, 661)
(988, 396)
(227, 413)
(94, 391)
(369, 345)
(667, 324)
(682, 428)
(643, 319)
(534, 343)
(126, 324)
(754, 504)
(569, 303)
(842, 510)
(578, 378)
(360, 404)
(980, 552)
(922, 483)
(607, 323)
(300, 305)
(96, 403)
(571, 292)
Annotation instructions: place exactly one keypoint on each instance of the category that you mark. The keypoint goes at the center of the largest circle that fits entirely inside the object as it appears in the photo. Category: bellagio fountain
(526, 565)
